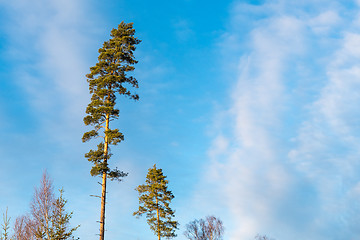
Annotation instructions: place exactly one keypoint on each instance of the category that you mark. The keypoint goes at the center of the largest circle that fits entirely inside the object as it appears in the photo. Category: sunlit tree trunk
(158, 217)
(103, 190)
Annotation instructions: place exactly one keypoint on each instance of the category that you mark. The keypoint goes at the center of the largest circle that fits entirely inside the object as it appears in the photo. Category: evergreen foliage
(107, 79)
(5, 226)
(154, 200)
(60, 220)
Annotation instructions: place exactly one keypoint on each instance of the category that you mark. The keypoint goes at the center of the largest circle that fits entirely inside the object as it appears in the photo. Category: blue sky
(250, 107)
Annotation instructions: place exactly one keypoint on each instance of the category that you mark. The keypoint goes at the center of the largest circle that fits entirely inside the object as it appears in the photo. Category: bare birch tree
(23, 229)
(48, 219)
(210, 228)
(41, 208)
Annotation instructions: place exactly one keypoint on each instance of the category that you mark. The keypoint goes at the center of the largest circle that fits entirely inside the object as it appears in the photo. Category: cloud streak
(48, 44)
(46, 48)
(282, 171)
(328, 142)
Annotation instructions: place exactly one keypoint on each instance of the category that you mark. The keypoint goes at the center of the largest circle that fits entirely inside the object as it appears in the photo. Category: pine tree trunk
(103, 202)
(158, 218)
(103, 191)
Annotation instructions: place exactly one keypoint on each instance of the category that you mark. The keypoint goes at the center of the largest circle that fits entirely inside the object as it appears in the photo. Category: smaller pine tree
(154, 200)
(4, 234)
(60, 220)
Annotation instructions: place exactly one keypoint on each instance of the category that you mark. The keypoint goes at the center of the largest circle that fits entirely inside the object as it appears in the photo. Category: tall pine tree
(154, 200)
(107, 79)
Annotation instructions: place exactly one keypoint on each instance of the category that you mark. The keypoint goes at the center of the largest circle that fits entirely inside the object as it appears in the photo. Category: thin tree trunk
(46, 210)
(103, 191)
(103, 202)
(158, 218)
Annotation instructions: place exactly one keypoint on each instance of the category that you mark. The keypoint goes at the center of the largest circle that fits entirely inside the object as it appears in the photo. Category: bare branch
(23, 228)
(95, 196)
(210, 228)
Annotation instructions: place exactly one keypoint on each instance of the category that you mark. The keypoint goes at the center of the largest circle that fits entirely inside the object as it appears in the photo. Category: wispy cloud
(277, 174)
(46, 51)
(246, 165)
(329, 141)
(325, 21)
(183, 30)
(47, 43)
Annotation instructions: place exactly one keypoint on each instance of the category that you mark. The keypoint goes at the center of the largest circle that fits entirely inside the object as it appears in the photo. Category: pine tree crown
(109, 78)
(155, 198)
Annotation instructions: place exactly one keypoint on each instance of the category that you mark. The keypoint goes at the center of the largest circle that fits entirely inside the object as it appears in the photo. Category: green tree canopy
(154, 200)
(108, 78)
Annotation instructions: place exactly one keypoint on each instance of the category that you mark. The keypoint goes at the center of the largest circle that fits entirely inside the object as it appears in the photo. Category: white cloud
(328, 143)
(268, 184)
(322, 23)
(220, 145)
(46, 45)
(245, 166)
(49, 48)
